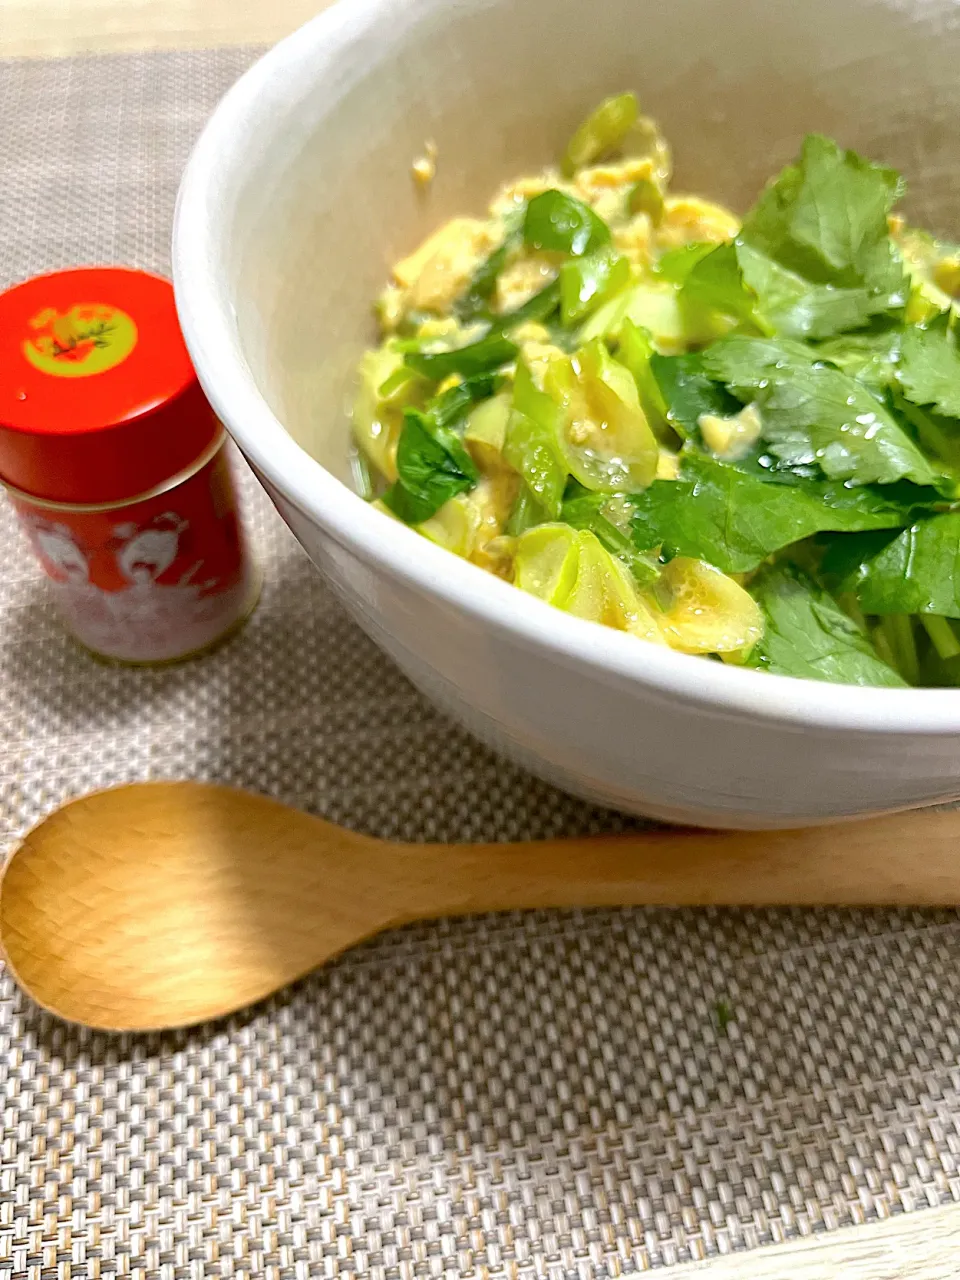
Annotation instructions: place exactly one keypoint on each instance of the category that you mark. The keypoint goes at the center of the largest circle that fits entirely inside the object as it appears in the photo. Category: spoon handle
(902, 859)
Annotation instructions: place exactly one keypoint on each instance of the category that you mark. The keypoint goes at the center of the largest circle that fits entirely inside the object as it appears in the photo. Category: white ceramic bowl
(298, 198)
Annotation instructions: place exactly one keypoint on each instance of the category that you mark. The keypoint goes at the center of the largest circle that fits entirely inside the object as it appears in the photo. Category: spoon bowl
(164, 904)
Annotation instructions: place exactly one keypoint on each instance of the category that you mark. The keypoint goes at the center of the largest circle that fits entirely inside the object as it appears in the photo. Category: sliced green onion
(601, 133)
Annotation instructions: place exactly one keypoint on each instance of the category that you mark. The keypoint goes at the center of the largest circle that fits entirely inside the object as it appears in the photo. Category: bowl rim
(214, 343)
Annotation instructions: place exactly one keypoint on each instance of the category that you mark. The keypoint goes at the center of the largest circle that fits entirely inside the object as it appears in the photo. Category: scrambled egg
(522, 278)
(636, 240)
(668, 465)
(946, 276)
(424, 168)
(731, 438)
(514, 194)
(434, 275)
(934, 270)
(606, 187)
(689, 219)
(429, 281)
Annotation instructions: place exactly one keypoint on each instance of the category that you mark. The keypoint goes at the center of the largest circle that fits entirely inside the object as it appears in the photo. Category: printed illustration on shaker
(89, 338)
(146, 554)
(141, 581)
(55, 545)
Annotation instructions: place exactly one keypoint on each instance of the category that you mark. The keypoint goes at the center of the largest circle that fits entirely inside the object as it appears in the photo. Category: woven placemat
(544, 1094)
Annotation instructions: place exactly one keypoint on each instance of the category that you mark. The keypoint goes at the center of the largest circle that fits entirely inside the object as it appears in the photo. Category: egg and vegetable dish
(737, 438)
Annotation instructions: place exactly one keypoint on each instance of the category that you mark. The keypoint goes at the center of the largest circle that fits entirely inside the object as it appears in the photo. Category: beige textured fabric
(540, 1095)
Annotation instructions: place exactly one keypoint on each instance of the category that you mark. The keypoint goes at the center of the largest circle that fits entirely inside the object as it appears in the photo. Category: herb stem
(849, 603)
(942, 635)
(881, 642)
(898, 629)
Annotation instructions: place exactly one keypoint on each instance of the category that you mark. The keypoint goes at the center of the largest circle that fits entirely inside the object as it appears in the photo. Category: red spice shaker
(115, 464)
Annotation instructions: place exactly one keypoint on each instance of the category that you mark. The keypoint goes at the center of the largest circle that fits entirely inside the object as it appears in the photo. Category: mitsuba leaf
(930, 368)
(816, 247)
(734, 520)
(688, 392)
(608, 517)
(539, 308)
(871, 358)
(825, 218)
(807, 634)
(814, 414)
(917, 571)
(716, 281)
(432, 467)
(676, 264)
(797, 308)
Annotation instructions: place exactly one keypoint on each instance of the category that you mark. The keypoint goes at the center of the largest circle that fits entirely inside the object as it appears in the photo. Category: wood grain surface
(924, 1246)
(151, 906)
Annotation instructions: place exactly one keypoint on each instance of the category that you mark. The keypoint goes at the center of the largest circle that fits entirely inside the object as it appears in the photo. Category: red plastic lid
(98, 399)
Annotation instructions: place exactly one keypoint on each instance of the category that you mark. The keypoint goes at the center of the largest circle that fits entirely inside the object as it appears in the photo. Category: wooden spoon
(164, 904)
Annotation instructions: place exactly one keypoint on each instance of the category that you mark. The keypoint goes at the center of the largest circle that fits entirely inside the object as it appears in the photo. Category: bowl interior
(320, 200)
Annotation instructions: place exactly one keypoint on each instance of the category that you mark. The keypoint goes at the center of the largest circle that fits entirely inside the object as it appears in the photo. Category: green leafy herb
(930, 369)
(814, 414)
(796, 308)
(599, 513)
(826, 218)
(816, 247)
(936, 434)
(807, 634)
(489, 353)
(735, 520)
(474, 302)
(450, 409)
(915, 572)
(432, 467)
(676, 264)
(749, 364)
(432, 462)
(689, 392)
(397, 381)
(871, 358)
(716, 281)
(563, 224)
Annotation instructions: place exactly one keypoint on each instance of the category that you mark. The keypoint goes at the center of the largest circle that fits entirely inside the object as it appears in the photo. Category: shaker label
(155, 580)
(89, 338)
